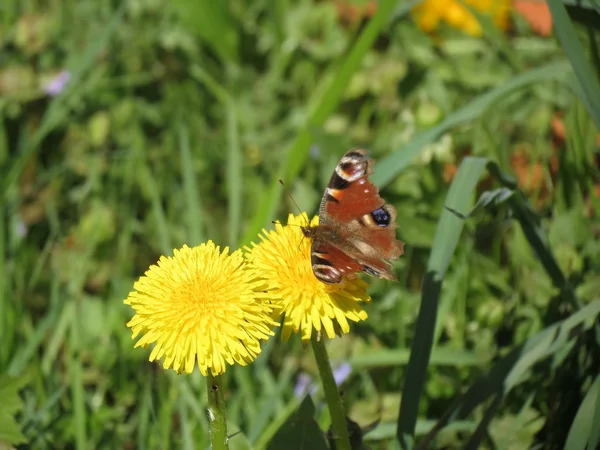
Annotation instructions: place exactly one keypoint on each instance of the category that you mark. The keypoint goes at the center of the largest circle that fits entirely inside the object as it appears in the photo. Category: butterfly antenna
(296, 205)
(290, 195)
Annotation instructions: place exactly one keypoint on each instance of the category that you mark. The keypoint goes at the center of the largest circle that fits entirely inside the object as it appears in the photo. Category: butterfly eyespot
(381, 217)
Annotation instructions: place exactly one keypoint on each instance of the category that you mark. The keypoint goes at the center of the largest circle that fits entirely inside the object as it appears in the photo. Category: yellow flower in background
(200, 305)
(429, 13)
(282, 259)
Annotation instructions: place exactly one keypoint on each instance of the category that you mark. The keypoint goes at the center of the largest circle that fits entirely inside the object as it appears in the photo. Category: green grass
(175, 127)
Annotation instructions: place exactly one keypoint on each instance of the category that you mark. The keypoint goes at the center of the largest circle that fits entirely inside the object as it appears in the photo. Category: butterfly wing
(358, 221)
(330, 264)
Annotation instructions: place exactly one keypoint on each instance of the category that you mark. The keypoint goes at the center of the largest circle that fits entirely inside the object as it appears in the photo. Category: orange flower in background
(537, 14)
(430, 13)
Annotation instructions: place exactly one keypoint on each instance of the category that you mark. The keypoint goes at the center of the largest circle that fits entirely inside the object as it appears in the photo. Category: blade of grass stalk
(447, 234)
(76, 380)
(234, 153)
(267, 434)
(246, 391)
(213, 24)
(389, 167)
(167, 410)
(57, 338)
(449, 226)
(330, 97)
(496, 380)
(583, 433)
(585, 4)
(594, 440)
(144, 413)
(481, 430)
(574, 50)
(300, 431)
(504, 442)
(5, 307)
(458, 286)
(424, 426)
(196, 402)
(268, 407)
(34, 419)
(234, 176)
(194, 205)
(277, 11)
(148, 183)
(79, 63)
(535, 234)
(187, 439)
(26, 353)
(549, 340)
(400, 357)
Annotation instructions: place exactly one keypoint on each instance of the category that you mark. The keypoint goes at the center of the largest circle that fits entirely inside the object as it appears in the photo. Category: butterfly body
(356, 231)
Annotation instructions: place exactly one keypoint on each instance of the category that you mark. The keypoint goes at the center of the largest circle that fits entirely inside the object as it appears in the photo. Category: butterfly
(356, 231)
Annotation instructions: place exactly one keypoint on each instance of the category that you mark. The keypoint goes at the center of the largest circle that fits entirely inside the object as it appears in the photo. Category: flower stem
(332, 396)
(216, 414)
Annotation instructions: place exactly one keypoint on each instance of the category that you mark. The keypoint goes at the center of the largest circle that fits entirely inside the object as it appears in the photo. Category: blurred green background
(131, 128)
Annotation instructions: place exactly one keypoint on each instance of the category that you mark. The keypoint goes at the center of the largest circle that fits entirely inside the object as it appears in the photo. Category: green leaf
(584, 432)
(487, 198)
(511, 369)
(212, 23)
(481, 430)
(300, 431)
(439, 357)
(586, 76)
(11, 404)
(448, 232)
(535, 234)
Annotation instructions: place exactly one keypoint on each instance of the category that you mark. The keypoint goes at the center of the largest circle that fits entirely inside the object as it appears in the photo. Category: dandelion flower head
(282, 260)
(200, 305)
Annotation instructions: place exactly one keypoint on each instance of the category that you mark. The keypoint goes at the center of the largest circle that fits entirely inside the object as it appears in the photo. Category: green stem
(216, 414)
(332, 396)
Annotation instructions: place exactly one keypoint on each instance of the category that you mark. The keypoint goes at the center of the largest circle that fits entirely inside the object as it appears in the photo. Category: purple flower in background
(305, 384)
(314, 151)
(57, 84)
(21, 229)
(342, 373)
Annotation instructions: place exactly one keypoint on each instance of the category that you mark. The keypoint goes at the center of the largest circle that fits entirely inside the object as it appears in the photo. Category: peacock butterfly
(356, 231)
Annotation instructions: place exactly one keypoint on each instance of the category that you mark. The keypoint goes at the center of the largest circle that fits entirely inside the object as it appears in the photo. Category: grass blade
(505, 374)
(481, 431)
(399, 357)
(576, 54)
(584, 431)
(76, 373)
(535, 234)
(194, 206)
(234, 176)
(446, 238)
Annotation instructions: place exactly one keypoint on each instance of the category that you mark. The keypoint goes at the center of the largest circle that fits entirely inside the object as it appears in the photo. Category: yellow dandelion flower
(200, 305)
(282, 259)
(429, 13)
